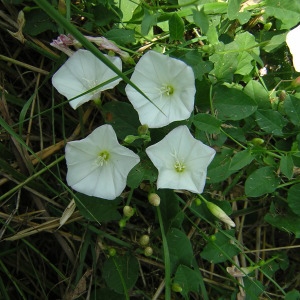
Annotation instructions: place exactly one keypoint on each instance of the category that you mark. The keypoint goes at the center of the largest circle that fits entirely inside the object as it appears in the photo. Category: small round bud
(148, 251)
(144, 240)
(128, 211)
(212, 238)
(122, 223)
(257, 141)
(112, 252)
(267, 26)
(282, 95)
(154, 199)
(176, 287)
(197, 201)
(296, 82)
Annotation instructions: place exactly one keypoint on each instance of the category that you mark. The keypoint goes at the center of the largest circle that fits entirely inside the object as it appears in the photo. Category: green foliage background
(251, 119)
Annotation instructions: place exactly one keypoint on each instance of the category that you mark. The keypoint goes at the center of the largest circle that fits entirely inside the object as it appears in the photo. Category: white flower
(169, 83)
(82, 72)
(293, 42)
(181, 161)
(98, 165)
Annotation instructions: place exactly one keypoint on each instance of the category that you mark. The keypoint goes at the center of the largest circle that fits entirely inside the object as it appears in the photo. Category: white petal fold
(82, 72)
(293, 42)
(169, 83)
(98, 165)
(181, 160)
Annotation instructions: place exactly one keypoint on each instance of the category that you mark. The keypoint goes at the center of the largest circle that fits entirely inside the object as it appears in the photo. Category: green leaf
(248, 50)
(120, 36)
(293, 199)
(258, 93)
(97, 209)
(233, 8)
(270, 121)
(232, 104)
(219, 169)
(284, 219)
(287, 11)
(292, 295)
(219, 248)
(172, 214)
(207, 123)
(127, 8)
(225, 61)
(123, 117)
(188, 279)
(104, 15)
(292, 109)
(145, 170)
(253, 288)
(287, 166)
(148, 21)
(106, 294)
(261, 181)
(176, 26)
(241, 159)
(37, 22)
(180, 248)
(201, 20)
(275, 42)
(121, 273)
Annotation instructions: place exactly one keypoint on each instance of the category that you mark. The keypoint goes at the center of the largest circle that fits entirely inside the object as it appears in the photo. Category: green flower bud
(213, 238)
(219, 213)
(144, 240)
(122, 223)
(296, 82)
(148, 251)
(257, 141)
(154, 199)
(143, 129)
(267, 26)
(112, 252)
(198, 201)
(128, 211)
(176, 287)
(282, 95)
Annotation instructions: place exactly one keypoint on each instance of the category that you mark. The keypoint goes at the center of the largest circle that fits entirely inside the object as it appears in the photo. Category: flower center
(179, 165)
(102, 158)
(167, 89)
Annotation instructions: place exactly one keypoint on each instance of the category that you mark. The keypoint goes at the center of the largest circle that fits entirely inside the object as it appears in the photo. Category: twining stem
(166, 257)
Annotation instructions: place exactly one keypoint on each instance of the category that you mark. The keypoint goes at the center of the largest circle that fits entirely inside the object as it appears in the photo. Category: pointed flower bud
(219, 213)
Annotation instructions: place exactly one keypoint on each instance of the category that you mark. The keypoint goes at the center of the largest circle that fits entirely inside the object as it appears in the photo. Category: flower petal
(82, 72)
(107, 178)
(293, 42)
(154, 74)
(181, 160)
